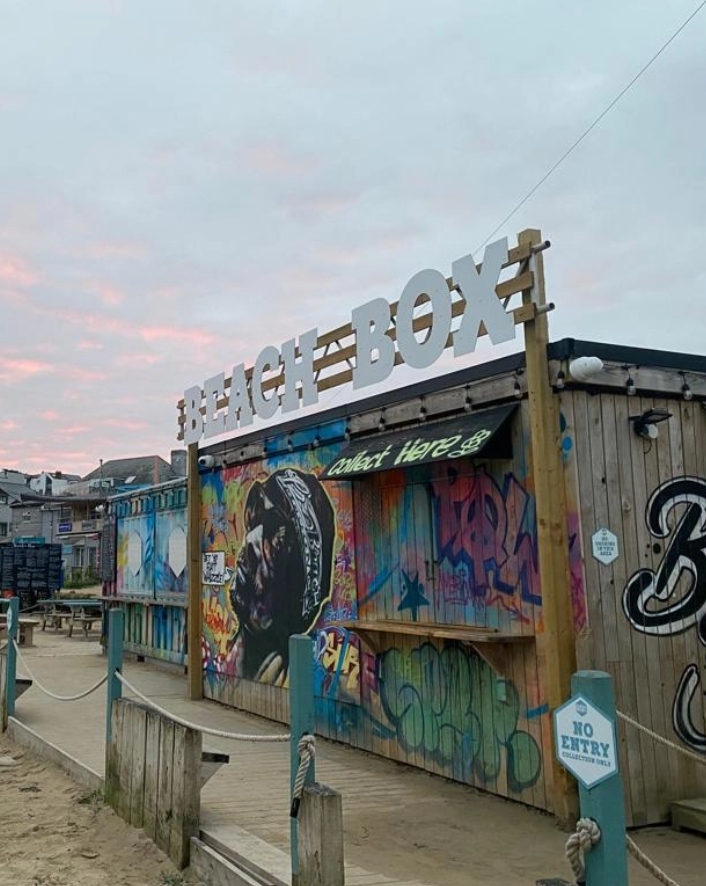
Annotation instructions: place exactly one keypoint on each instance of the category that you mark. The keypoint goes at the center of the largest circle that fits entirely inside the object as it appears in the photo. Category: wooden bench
(25, 632)
(85, 619)
(55, 617)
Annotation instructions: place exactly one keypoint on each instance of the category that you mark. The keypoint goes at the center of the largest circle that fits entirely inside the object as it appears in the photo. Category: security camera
(206, 461)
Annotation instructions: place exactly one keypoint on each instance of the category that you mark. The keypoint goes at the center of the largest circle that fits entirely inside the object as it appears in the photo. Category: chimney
(178, 462)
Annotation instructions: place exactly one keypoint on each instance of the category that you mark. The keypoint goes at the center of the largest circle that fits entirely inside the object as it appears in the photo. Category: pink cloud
(79, 373)
(175, 334)
(8, 425)
(108, 249)
(15, 272)
(49, 415)
(273, 160)
(136, 361)
(72, 431)
(89, 346)
(108, 293)
(125, 424)
(19, 369)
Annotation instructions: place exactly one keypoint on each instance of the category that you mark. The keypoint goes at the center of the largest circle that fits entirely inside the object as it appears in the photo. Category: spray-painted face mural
(283, 571)
(288, 546)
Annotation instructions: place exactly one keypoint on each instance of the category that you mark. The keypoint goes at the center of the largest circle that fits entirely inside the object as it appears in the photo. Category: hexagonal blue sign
(586, 742)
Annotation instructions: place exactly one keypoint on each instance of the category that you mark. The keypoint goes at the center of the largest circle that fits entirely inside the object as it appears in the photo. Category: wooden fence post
(193, 613)
(13, 616)
(301, 706)
(115, 663)
(321, 837)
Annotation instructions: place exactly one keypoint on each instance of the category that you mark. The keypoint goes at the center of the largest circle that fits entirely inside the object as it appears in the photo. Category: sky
(184, 183)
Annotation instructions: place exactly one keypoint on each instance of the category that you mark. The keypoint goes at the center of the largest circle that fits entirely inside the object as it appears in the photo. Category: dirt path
(53, 833)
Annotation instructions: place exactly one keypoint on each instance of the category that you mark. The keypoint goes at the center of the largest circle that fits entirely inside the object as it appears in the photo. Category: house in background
(71, 510)
(13, 488)
(55, 483)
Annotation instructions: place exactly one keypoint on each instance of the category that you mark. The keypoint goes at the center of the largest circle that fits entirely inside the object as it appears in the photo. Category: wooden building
(456, 548)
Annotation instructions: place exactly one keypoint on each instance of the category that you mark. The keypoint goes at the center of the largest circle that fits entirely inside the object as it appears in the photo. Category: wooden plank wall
(156, 631)
(616, 473)
(455, 546)
(153, 776)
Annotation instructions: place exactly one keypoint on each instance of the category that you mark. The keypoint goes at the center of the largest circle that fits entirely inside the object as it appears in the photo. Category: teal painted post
(607, 861)
(115, 663)
(301, 708)
(13, 615)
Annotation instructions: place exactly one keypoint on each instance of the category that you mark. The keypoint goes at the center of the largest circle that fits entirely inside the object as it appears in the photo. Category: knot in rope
(307, 752)
(586, 835)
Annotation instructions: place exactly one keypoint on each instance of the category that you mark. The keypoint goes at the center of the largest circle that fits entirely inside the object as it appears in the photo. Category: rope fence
(587, 835)
(35, 681)
(207, 730)
(699, 758)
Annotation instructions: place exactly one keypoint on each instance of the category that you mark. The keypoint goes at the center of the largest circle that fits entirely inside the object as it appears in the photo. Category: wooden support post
(607, 861)
(193, 505)
(115, 663)
(301, 706)
(13, 618)
(321, 837)
(556, 644)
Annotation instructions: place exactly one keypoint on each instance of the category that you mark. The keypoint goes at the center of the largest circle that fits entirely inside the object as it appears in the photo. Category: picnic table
(72, 611)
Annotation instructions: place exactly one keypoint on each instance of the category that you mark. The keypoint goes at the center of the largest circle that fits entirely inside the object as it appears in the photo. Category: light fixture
(422, 412)
(686, 391)
(560, 383)
(645, 425)
(468, 401)
(518, 389)
(290, 445)
(630, 388)
(316, 442)
(584, 368)
(382, 422)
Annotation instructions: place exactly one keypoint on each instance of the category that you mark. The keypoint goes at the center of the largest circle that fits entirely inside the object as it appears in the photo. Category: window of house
(3, 530)
(26, 516)
(3, 498)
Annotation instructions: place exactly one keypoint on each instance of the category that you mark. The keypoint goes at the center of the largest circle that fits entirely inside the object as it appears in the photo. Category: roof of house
(147, 469)
(16, 491)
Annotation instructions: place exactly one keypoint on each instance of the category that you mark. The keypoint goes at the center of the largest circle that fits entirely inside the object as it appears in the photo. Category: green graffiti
(447, 704)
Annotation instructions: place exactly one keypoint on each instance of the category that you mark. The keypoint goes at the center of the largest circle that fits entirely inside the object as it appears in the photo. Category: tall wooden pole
(194, 615)
(556, 643)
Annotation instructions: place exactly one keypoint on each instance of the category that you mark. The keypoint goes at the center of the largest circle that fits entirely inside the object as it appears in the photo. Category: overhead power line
(593, 125)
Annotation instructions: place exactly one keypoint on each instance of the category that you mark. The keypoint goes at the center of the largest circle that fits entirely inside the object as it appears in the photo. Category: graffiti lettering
(339, 658)
(485, 529)
(685, 557)
(681, 710)
(679, 584)
(445, 703)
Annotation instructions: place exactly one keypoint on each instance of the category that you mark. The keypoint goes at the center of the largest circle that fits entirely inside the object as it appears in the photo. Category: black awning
(480, 433)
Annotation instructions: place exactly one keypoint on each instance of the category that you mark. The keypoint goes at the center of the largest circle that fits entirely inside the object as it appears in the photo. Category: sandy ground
(54, 833)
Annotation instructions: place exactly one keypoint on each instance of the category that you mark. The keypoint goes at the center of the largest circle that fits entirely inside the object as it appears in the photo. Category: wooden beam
(555, 644)
(193, 510)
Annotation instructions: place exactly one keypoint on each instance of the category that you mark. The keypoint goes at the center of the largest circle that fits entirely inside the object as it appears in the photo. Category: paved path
(408, 827)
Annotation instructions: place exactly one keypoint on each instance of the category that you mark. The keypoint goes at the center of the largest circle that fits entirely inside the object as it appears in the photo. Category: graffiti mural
(445, 703)
(283, 571)
(672, 599)
(135, 555)
(288, 548)
(487, 541)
